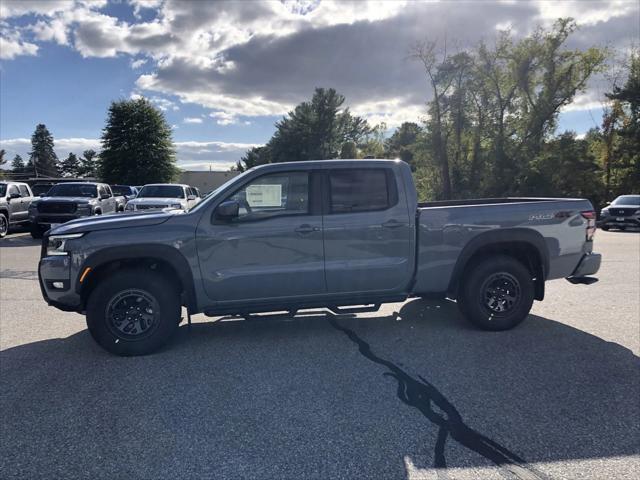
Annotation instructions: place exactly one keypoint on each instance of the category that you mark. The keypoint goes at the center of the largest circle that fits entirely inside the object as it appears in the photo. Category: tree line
(491, 123)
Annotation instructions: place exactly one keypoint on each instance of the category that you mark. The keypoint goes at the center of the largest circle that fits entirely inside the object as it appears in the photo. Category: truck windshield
(121, 190)
(627, 200)
(73, 190)
(162, 191)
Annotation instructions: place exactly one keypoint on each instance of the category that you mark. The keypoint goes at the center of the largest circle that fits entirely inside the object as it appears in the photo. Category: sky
(223, 72)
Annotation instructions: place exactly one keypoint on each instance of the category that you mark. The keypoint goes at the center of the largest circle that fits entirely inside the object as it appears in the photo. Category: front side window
(3, 189)
(274, 195)
(358, 190)
(13, 190)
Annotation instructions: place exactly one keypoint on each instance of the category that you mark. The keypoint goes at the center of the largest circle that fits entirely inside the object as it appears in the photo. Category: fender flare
(502, 235)
(162, 253)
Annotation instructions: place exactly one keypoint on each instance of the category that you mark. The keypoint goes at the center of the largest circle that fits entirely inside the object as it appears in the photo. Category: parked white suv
(158, 196)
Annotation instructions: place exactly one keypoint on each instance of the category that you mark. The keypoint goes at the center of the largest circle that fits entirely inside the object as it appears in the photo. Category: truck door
(368, 237)
(272, 249)
(25, 201)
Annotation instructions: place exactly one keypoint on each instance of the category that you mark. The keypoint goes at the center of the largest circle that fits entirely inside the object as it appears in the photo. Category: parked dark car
(69, 201)
(622, 213)
(15, 198)
(317, 234)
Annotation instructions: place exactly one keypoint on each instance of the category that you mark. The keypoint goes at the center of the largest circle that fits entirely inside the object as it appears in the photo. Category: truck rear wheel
(133, 312)
(497, 293)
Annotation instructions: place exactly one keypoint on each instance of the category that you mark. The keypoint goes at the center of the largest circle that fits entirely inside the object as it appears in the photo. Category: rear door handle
(392, 224)
(306, 228)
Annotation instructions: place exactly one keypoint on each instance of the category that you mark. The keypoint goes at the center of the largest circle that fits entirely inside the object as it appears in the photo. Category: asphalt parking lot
(388, 395)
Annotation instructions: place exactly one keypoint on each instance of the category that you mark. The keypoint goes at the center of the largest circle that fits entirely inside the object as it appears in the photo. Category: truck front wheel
(133, 312)
(497, 293)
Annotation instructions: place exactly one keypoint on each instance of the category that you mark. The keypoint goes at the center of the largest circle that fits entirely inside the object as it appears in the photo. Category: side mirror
(104, 196)
(13, 195)
(43, 194)
(228, 210)
(608, 203)
(191, 197)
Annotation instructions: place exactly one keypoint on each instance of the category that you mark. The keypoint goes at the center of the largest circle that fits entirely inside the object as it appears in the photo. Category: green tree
(316, 129)
(254, 157)
(17, 164)
(88, 164)
(136, 145)
(402, 142)
(349, 149)
(42, 157)
(70, 166)
(2, 161)
(624, 120)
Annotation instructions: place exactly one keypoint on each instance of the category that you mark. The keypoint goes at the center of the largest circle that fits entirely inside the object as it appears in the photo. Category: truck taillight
(590, 217)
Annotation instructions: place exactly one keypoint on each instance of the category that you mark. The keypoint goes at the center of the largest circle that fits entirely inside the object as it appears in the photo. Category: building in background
(205, 181)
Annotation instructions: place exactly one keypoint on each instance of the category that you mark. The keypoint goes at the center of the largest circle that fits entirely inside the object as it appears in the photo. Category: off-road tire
(491, 284)
(104, 312)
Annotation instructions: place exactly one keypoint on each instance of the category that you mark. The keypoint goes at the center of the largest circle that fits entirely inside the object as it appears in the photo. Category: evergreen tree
(17, 164)
(42, 155)
(316, 129)
(136, 145)
(88, 164)
(70, 166)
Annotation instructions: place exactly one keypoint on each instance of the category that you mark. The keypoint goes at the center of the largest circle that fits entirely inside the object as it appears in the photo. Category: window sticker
(264, 195)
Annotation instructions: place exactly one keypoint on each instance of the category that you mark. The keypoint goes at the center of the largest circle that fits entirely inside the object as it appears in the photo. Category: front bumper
(54, 274)
(619, 221)
(589, 264)
(43, 219)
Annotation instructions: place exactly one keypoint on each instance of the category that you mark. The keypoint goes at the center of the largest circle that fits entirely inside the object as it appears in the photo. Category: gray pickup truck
(69, 201)
(345, 235)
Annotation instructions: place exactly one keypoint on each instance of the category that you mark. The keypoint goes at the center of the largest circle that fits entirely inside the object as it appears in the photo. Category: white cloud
(192, 120)
(135, 64)
(52, 31)
(13, 46)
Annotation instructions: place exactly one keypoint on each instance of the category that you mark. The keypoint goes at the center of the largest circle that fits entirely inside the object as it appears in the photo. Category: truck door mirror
(104, 196)
(14, 195)
(191, 197)
(228, 210)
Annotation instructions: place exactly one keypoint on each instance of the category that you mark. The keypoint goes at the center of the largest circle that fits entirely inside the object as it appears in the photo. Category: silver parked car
(158, 196)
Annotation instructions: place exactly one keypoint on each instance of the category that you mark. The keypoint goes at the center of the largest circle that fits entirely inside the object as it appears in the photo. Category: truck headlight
(176, 205)
(56, 243)
(130, 207)
(604, 212)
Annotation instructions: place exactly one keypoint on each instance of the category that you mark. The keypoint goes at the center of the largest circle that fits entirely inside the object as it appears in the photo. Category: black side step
(346, 310)
(582, 280)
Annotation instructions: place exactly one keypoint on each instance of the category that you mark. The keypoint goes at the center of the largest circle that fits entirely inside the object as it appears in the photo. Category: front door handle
(306, 228)
(392, 224)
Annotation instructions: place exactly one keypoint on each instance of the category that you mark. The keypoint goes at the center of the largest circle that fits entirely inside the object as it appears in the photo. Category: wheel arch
(162, 258)
(526, 245)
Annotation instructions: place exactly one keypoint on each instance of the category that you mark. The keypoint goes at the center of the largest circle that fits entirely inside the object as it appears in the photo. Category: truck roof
(349, 162)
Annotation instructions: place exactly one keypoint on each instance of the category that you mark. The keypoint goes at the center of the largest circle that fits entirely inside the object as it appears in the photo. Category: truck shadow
(321, 397)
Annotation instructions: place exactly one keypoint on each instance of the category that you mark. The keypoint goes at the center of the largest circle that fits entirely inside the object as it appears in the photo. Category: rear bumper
(588, 265)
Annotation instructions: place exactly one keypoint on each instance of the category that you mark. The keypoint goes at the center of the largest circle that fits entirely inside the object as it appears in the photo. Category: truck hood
(112, 221)
(156, 200)
(77, 200)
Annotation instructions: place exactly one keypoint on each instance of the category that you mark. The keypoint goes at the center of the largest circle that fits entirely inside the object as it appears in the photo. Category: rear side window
(361, 190)
(24, 191)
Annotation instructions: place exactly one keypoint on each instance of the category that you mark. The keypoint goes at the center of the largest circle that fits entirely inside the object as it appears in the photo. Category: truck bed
(445, 228)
